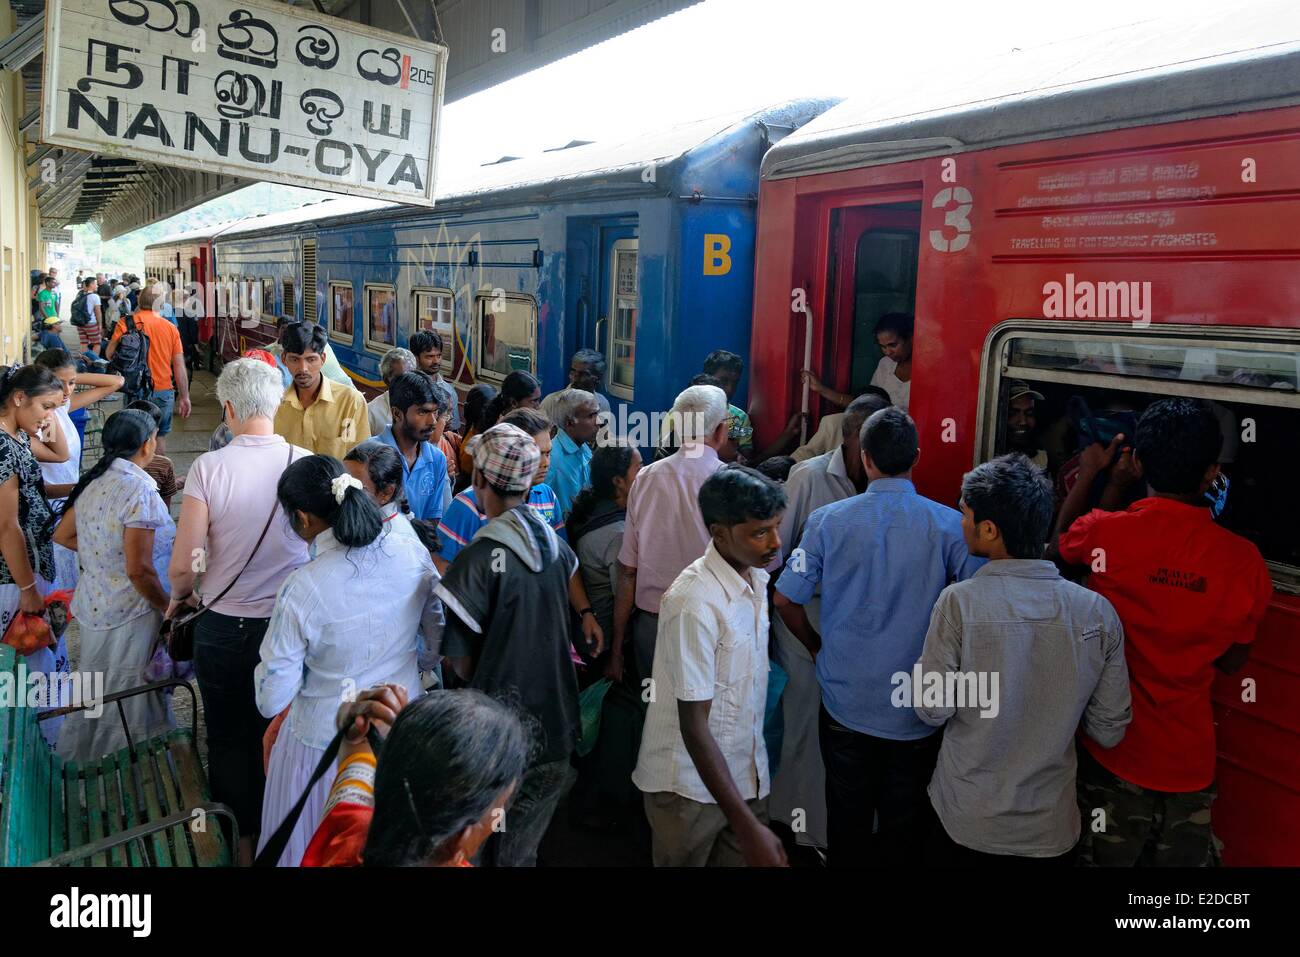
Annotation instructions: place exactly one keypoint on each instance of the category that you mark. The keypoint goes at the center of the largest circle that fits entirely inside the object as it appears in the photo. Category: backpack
(131, 361)
(79, 317)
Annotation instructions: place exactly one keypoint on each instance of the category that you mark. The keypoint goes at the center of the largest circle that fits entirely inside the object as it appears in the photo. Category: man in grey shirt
(1014, 658)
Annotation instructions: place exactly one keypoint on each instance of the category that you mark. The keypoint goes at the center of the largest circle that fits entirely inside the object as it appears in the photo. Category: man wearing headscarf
(508, 629)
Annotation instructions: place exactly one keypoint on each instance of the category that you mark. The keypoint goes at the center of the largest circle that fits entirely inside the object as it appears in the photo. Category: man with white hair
(394, 364)
(576, 415)
(665, 531)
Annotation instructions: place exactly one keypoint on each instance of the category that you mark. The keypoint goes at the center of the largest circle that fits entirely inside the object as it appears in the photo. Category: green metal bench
(147, 805)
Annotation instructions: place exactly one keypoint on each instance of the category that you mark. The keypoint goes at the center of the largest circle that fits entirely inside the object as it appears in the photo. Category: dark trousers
(225, 656)
(524, 825)
(942, 851)
(869, 777)
(645, 629)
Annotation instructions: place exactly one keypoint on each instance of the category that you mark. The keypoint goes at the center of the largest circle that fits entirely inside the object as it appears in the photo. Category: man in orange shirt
(166, 361)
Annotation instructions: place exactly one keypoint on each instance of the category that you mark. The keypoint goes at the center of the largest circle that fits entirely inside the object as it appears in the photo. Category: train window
(381, 316)
(507, 328)
(267, 305)
(433, 312)
(624, 305)
(289, 303)
(341, 312)
(1250, 377)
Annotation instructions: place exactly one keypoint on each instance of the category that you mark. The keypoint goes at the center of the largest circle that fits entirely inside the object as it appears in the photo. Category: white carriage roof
(1245, 57)
(625, 157)
(610, 158)
(199, 235)
(323, 209)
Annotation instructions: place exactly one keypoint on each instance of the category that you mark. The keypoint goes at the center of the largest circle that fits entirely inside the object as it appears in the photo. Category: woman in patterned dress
(112, 520)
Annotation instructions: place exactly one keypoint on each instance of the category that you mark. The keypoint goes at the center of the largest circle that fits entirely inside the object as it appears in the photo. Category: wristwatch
(587, 611)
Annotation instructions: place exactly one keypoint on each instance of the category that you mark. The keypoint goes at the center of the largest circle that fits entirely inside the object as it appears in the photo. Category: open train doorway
(873, 265)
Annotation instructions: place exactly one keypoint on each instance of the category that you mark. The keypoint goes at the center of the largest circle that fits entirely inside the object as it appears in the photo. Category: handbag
(176, 634)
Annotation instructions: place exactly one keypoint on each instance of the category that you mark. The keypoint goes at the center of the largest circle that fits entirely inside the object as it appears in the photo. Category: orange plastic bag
(28, 633)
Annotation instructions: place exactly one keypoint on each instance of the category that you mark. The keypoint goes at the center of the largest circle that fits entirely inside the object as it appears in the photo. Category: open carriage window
(1049, 389)
(433, 313)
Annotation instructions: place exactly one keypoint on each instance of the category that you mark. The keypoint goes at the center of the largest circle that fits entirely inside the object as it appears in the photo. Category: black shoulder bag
(278, 841)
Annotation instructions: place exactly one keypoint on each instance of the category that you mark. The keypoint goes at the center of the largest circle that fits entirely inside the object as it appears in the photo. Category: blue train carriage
(642, 249)
(259, 269)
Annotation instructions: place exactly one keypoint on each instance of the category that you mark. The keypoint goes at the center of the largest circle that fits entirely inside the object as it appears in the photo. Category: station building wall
(20, 246)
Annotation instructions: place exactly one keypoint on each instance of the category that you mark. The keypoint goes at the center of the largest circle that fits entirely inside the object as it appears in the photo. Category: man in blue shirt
(881, 559)
(50, 338)
(576, 415)
(415, 404)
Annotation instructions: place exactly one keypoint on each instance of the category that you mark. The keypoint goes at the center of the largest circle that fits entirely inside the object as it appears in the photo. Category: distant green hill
(126, 253)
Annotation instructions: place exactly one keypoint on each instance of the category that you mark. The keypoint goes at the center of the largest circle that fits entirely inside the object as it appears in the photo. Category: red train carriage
(182, 259)
(1103, 224)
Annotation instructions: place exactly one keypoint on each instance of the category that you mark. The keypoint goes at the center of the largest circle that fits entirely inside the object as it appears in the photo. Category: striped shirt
(1004, 783)
(462, 520)
(355, 782)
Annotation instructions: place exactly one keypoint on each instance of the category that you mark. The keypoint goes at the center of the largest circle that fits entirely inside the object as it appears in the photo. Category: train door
(603, 297)
(873, 265)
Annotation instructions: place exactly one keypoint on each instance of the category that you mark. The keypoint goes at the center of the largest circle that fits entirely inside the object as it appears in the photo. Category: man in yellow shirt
(316, 413)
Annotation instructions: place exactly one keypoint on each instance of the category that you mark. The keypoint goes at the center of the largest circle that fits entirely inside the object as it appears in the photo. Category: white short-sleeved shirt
(711, 645)
(123, 497)
(93, 300)
(348, 620)
(886, 378)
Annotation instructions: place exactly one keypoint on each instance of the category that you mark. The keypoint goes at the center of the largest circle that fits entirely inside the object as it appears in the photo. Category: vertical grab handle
(807, 364)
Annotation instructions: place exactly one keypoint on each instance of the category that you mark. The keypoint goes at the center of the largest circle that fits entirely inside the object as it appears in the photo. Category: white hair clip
(341, 484)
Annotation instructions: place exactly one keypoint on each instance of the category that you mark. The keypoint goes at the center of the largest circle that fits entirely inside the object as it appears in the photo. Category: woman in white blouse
(894, 371)
(361, 613)
(60, 477)
(120, 600)
(378, 467)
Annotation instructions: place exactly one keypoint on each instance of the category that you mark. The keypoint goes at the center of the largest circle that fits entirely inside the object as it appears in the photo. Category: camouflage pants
(1124, 825)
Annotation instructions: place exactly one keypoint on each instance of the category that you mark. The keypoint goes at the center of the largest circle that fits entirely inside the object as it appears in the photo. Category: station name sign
(56, 236)
(253, 89)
